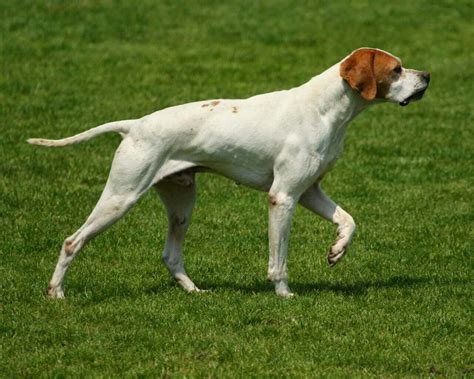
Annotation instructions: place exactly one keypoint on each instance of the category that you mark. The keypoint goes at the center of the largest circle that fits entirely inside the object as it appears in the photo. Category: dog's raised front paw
(335, 255)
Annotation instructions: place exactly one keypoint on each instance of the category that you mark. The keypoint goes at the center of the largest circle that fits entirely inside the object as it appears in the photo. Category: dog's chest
(330, 157)
(329, 145)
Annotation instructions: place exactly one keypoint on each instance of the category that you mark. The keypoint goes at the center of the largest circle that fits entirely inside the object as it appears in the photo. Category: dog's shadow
(358, 288)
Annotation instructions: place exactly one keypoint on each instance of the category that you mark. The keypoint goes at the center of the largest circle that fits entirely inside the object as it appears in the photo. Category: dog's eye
(397, 69)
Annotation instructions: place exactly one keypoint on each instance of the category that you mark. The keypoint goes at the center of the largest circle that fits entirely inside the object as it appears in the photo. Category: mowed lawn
(399, 305)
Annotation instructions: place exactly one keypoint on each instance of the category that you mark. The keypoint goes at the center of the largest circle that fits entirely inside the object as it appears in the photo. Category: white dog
(281, 142)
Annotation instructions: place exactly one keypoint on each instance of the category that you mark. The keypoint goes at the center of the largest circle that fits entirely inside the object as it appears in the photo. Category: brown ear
(358, 71)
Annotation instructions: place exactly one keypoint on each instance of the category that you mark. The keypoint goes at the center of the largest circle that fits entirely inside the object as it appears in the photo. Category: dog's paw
(282, 290)
(335, 255)
(55, 292)
(201, 291)
(286, 295)
(343, 240)
(192, 289)
(187, 284)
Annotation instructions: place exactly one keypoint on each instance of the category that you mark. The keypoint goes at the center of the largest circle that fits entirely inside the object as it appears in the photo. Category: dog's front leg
(281, 209)
(318, 202)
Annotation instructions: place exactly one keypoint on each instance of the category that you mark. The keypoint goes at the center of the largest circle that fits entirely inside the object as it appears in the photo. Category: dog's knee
(276, 275)
(272, 200)
(177, 222)
(68, 247)
(280, 200)
(71, 245)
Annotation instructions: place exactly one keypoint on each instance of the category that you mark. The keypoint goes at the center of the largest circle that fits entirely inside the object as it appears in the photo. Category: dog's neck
(332, 99)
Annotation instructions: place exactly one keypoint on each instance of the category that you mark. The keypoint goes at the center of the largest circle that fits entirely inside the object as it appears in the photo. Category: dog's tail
(122, 127)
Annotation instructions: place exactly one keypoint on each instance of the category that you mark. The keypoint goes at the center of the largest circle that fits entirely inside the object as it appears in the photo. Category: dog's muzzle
(426, 76)
(416, 96)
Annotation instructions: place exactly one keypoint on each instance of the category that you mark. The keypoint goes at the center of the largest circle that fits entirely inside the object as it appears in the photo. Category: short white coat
(281, 142)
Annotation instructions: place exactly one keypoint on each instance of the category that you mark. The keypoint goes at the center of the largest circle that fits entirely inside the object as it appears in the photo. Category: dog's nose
(426, 75)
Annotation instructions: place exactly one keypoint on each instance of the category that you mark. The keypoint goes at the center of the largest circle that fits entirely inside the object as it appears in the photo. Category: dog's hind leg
(131, 175)
(318, 202)
(178, 195)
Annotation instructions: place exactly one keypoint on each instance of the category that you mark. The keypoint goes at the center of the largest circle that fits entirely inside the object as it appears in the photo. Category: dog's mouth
(416, 96)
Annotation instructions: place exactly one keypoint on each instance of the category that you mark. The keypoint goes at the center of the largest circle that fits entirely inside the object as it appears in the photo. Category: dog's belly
(181, 172)
(240, 162)
(256, 178)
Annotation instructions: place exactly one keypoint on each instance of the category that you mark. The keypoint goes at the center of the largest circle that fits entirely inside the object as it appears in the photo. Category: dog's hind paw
(202, 291)
(55, 292)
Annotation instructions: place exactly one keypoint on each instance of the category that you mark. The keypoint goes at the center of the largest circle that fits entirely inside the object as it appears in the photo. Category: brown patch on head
(369, 72)
(387, 68)
(358, 71)
(215, 102)
(235, 109)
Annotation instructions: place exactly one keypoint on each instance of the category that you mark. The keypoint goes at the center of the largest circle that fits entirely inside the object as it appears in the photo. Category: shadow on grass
(361, 287)
(358, 288)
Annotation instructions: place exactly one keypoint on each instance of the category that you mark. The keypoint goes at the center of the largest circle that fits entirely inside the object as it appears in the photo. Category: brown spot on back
(235, 109)
(204, 105)
(215, 102)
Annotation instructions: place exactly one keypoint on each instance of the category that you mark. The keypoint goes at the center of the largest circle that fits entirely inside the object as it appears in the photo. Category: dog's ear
(358, 71)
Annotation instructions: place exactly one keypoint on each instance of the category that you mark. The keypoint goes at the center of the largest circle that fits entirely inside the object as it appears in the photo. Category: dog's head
(376, 74)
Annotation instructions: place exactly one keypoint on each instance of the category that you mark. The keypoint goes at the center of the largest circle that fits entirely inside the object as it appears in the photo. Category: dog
(281, 142)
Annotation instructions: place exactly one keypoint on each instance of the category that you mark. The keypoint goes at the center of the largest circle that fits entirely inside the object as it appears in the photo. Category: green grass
(399, 305)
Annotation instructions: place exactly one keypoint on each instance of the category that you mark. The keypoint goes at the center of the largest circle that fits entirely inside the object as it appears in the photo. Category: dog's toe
(334, 256)
(282, 290)
(55, 292)
(288, 295)
(195, 289)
